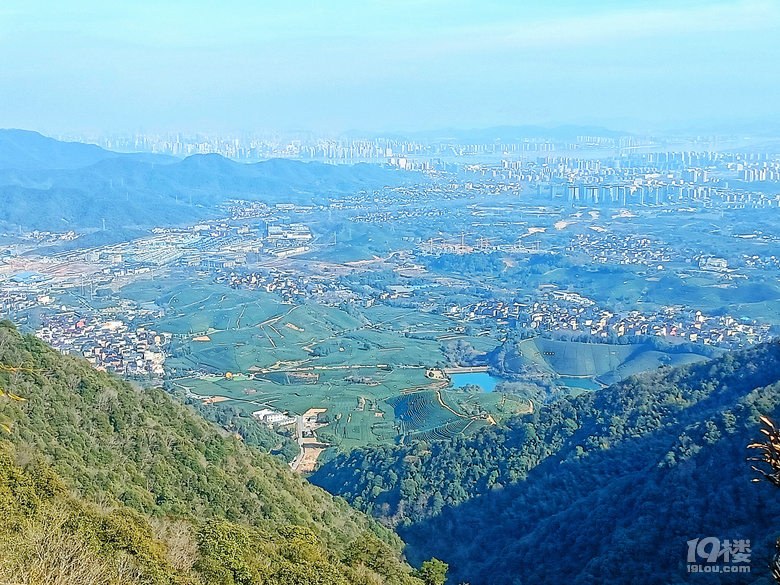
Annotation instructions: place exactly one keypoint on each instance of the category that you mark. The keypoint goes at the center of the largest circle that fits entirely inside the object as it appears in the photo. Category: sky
(371, 65)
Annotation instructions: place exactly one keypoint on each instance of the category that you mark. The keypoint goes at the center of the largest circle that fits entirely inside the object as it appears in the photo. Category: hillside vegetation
(101, 482)
(606, 362)
(587, 489)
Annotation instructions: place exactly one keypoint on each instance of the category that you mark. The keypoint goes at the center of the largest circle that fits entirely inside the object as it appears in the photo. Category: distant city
(619, 170)
(444, 144)
(270, 280)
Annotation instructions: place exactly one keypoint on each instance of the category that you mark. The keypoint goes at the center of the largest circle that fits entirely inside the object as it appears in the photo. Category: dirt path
(438, 395)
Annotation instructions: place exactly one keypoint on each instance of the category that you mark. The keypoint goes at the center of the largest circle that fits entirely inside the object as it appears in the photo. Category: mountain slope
(51, 537)
(144, 457)
(589, 489)
(27, 150)
(606, 362)
(130, 192)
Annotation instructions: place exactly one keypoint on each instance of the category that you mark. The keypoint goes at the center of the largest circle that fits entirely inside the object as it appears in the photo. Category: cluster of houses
(610, 249)
(109, 345)
(239, 209)
(288, 286)
(561, 311)
(16, 301)
(293, 287)
(378, 201)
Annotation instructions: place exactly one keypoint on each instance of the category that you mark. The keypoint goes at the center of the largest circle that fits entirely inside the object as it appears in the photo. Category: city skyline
(414, 65)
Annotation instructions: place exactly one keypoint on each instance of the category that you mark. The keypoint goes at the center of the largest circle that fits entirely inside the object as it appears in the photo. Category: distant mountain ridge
(56, 185)
(28, 150)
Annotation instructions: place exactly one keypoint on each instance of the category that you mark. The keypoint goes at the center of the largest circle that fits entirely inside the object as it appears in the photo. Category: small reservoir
(481, 379)
(488, 382)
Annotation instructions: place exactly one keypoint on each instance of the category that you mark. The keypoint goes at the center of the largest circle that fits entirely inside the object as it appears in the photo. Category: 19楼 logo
(712, 555)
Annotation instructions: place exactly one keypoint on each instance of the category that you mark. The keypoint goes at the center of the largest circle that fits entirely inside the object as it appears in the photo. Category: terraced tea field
(253, 351)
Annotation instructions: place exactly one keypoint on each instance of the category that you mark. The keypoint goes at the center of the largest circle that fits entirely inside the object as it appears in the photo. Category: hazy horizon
(380, 67)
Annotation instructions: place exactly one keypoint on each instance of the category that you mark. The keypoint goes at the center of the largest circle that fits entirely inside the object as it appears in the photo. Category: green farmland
(366, 367)
(253, 351)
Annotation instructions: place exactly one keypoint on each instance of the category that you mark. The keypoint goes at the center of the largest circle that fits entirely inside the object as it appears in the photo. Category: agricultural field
(599, 363)
(249, 349)
(365, 366)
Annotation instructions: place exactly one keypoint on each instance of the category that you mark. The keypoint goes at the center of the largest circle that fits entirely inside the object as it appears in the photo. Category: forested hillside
(83, 184)
(104, 483)
(588, 489)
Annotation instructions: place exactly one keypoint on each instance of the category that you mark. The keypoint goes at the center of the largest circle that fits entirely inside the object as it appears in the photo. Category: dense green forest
(233, 420)
(101, 482)
(604, 487)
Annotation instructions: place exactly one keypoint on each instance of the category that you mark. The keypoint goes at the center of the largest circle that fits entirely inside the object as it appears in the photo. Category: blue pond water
(482, 379)
(488, 382)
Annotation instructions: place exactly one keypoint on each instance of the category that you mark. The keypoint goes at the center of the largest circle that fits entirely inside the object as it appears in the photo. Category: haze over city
(382, 66)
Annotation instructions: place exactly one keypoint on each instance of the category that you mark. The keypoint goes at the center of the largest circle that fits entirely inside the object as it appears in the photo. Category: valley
(381, 293)
(435, 349)
(355, 305)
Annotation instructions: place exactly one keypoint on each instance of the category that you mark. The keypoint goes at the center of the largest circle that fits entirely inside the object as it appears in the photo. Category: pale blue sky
(370, 65)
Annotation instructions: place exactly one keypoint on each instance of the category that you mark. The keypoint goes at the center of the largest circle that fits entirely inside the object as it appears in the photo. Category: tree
(770, 455)
(433, 572)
